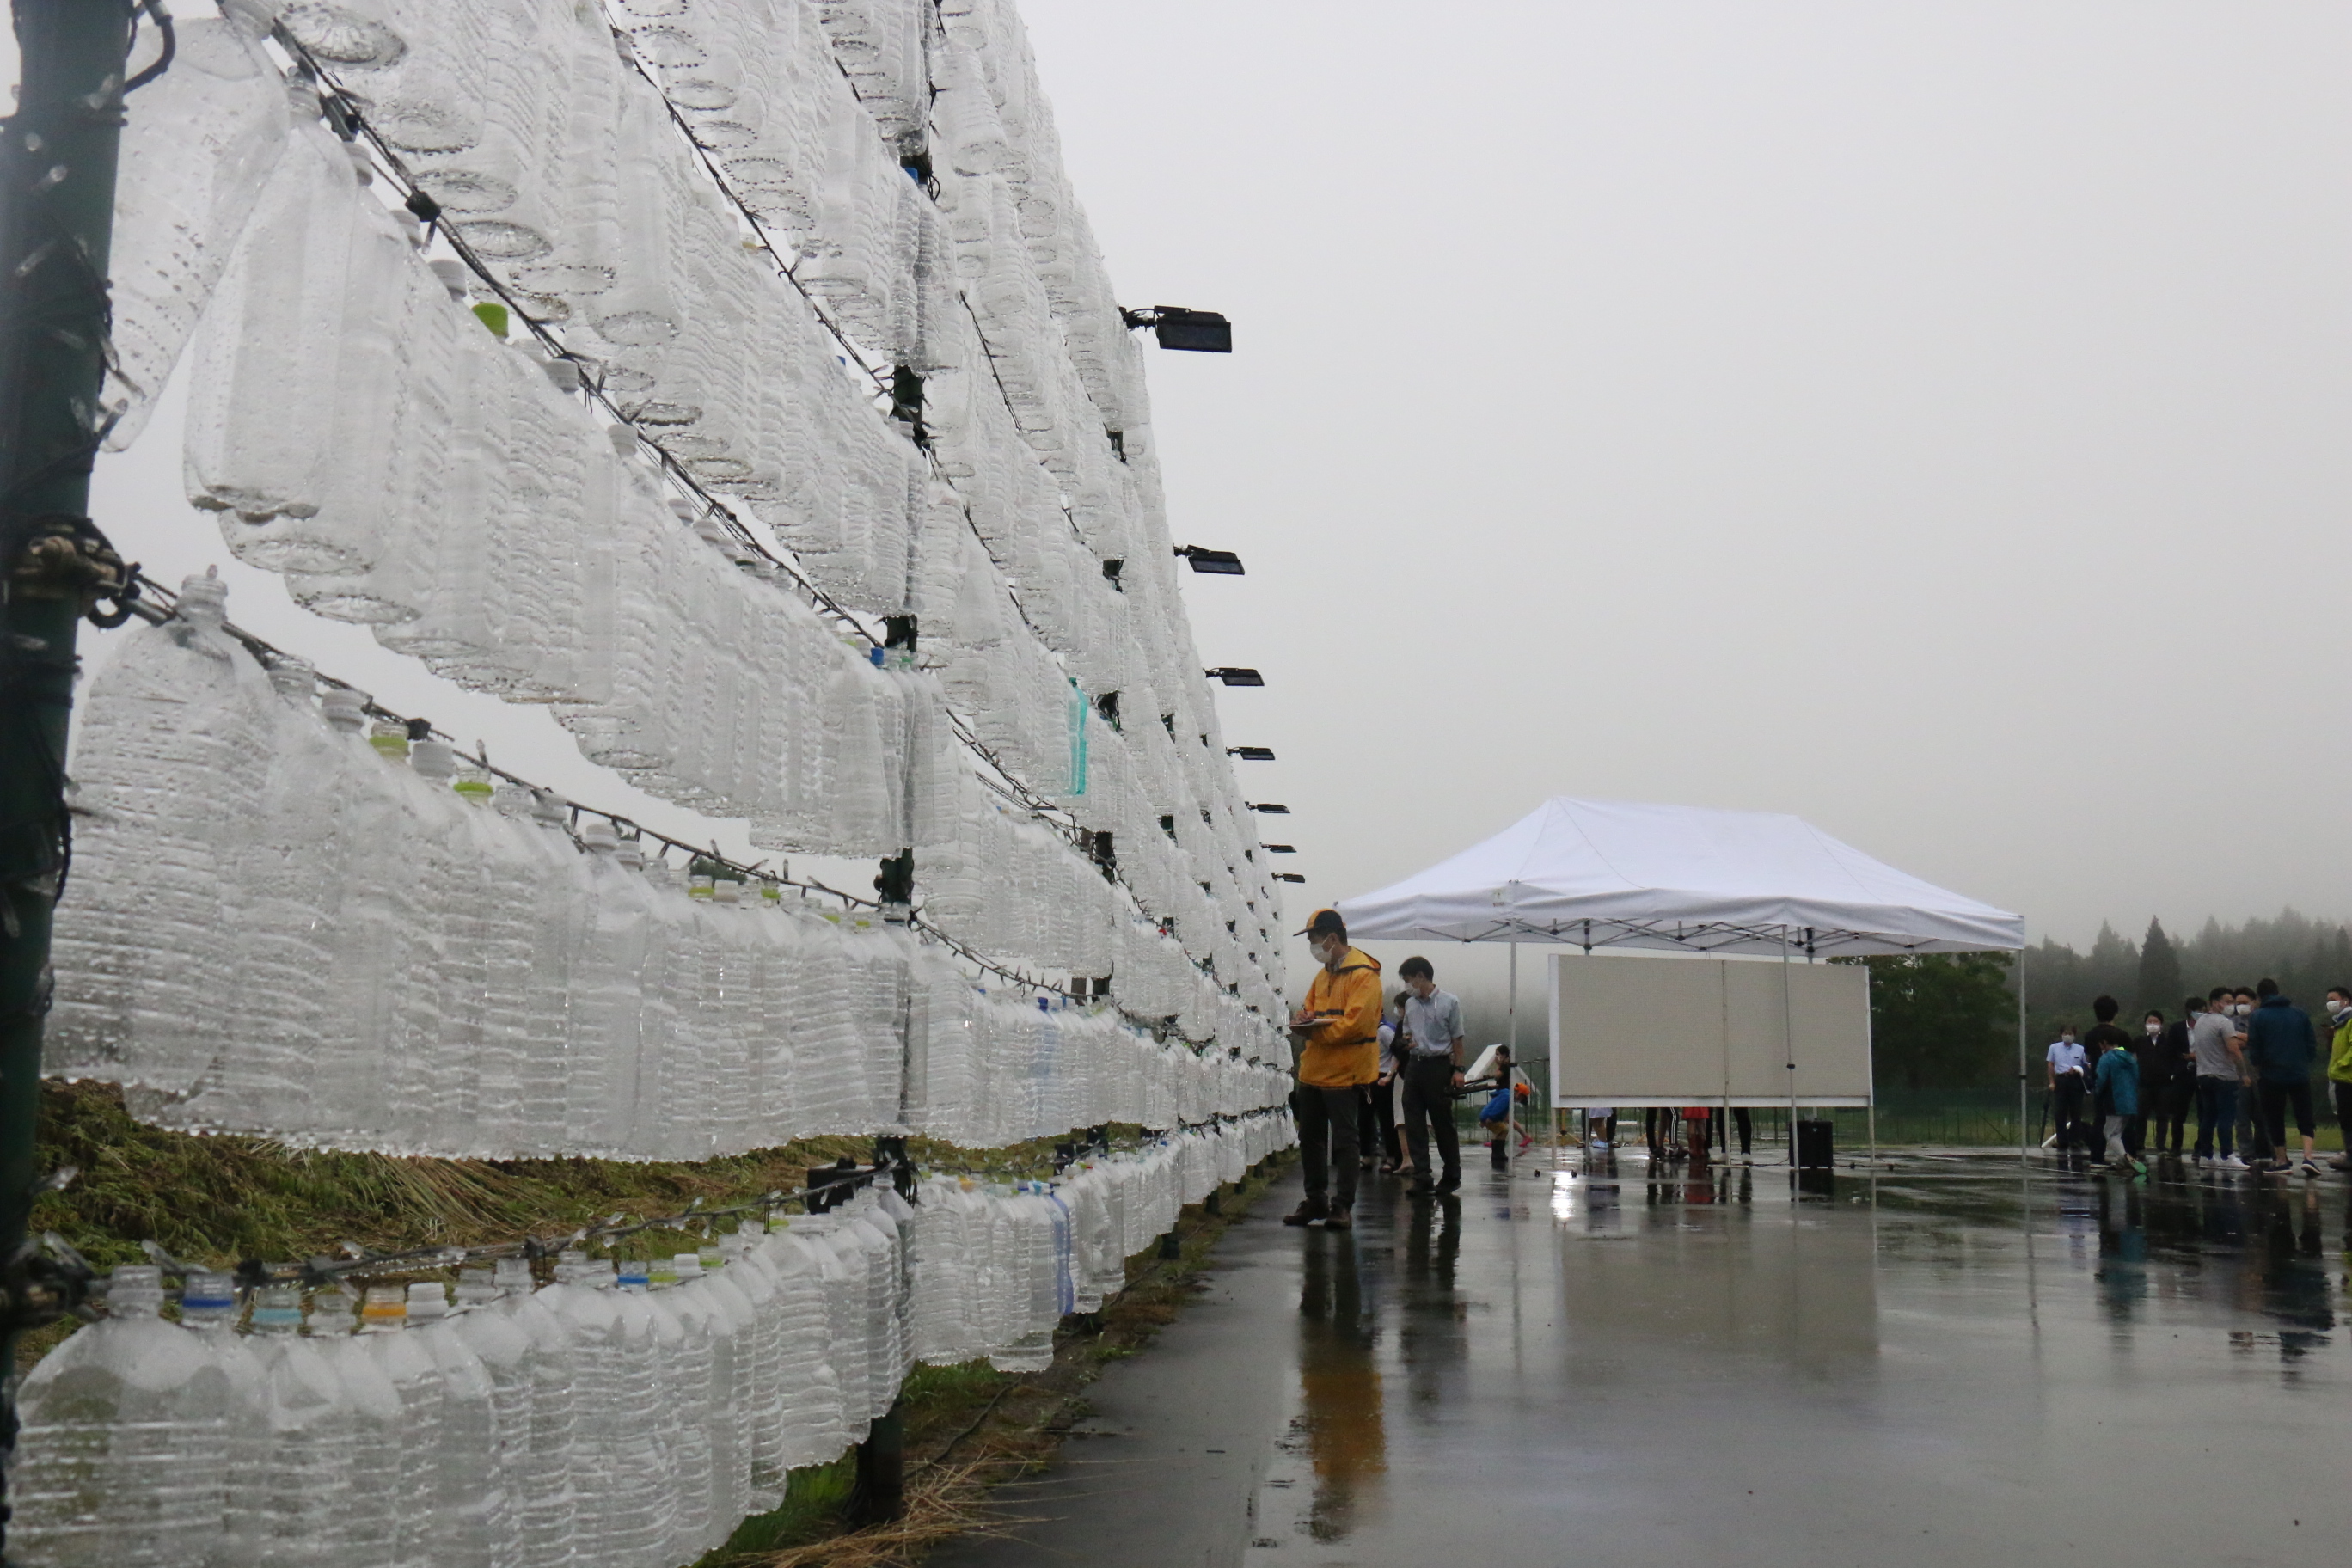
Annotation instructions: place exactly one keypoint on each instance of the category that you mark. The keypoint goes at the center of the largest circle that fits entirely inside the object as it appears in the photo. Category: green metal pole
(57, 156)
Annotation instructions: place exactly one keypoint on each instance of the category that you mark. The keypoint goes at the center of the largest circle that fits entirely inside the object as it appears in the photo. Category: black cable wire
(162, 18)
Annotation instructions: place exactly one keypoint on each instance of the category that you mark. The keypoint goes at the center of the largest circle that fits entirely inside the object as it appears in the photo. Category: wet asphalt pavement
(1945, 1363)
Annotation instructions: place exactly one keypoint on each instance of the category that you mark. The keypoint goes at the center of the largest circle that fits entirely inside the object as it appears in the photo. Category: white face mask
(2065, 1039)
(2154, 1030)
(2241, 1009)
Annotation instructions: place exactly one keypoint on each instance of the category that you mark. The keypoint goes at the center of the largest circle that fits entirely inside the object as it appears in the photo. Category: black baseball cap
(1324, 923)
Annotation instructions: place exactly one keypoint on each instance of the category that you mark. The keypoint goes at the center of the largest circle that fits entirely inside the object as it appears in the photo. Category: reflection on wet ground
(1944, 1361)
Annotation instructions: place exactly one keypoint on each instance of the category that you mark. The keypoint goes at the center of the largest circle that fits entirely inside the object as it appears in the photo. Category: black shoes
(1309, 1212)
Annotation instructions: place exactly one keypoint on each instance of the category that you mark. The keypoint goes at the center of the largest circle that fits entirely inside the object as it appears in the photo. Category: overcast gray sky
(1930, 418)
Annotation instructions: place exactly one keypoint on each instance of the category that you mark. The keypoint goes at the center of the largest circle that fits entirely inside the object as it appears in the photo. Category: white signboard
(1631, 1031)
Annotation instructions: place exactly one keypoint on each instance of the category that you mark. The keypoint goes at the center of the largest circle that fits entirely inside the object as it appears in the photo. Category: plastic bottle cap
(427, 1301)
(385, 1309)
(631, 1274)
(512, 1277)
(434, 760)
(278, 1309)
(330, 1313)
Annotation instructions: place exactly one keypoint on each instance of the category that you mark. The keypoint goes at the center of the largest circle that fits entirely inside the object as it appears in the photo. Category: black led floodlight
(1271, 808)
(1215, 563)
(1288, 877)
(1279, 849)
(1235, 674)
(1251, 754)
(1199, 331)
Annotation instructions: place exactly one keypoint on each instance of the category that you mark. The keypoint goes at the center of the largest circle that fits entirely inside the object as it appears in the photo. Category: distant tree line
(1949, 1020)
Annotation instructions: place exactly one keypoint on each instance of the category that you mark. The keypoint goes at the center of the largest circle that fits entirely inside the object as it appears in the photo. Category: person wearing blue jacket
(2116, 1085)
(2280, 1050)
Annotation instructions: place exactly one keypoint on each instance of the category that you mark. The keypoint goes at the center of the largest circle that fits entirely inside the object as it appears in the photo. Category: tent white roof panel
(1608, 874)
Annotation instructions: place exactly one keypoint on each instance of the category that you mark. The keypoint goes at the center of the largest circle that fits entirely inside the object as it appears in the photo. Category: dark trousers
(1739, 1119)
(2343, 1112)
(1327, 1136)
(2254, 1136)
(2169, 1115)
(1367, 1122)
(1390, 1137)
(2066, 1109)
(2275, 1098)
(2217, 1115)
(1429, 1106)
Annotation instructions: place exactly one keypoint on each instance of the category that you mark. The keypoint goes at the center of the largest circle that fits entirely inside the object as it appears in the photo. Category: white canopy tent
(1603, 875)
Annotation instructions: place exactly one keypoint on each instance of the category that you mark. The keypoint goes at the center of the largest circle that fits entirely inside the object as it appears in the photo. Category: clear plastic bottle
(691, 1393)
(168, 761)
(504, 1351)
(440, 993)
(814, 1423)
(372, 1492)
(297, 1511)
(644, 1452)
(608, 1016)
(669, 1039)
(198, 144)
(539, 1482)
(610, 1505)
(469, 1493)
(555, 1032)
(289, 889)
(209, 1310)
(419, 1516)
(119, 1459)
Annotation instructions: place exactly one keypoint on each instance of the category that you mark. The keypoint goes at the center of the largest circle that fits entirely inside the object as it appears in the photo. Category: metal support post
(2025, 1138)
(881, 1492)
(57, 156)
(1510, 1098)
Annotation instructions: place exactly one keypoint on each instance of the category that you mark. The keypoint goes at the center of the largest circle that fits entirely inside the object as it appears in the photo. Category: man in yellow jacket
(1338, 1031)
(2339, 1066)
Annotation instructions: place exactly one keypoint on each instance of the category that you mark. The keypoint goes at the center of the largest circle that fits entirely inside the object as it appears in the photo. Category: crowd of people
(1378, 1078)
(2241, 1058)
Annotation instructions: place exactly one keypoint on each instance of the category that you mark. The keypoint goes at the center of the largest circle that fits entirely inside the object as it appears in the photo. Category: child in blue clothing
(2116, 1085)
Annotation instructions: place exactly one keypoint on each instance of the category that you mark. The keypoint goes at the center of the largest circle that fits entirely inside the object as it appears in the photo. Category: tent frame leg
(2025, 1138)
(1788, 1043)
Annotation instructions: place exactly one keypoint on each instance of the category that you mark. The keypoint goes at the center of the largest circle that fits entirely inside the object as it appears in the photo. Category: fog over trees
(1949, 1021)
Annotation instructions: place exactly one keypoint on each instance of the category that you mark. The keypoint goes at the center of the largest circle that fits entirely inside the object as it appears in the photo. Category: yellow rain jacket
(2339, 1053)
(1343, 1051)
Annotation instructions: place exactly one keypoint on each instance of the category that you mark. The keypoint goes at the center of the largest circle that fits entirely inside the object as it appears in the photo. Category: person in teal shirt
(2117, 1087)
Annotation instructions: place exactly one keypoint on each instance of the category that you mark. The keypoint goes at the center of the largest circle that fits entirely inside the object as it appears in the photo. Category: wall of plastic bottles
(816, 331)
(635, 361)
(625, 1414)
